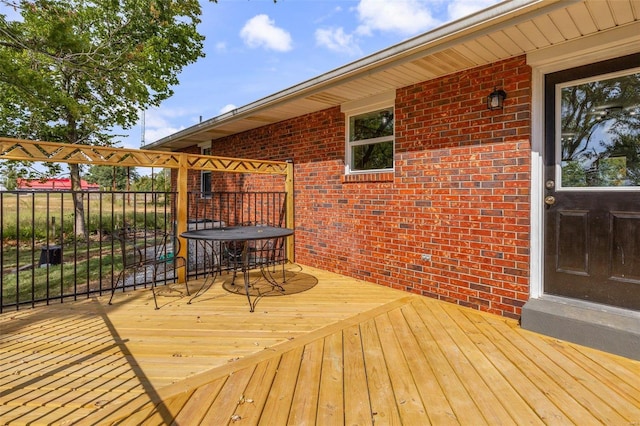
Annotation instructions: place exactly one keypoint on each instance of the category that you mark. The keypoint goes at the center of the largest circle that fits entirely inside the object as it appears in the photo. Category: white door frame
(610, 44)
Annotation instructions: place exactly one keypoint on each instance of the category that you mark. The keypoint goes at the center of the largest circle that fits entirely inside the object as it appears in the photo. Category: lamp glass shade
(496, 99)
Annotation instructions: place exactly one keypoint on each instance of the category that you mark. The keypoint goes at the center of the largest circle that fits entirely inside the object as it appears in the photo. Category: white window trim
(359, 106)
(362, 106)
(349, 144)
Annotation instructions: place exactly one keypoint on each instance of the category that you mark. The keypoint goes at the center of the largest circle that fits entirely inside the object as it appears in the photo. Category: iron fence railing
(229, 209)
(44, 260)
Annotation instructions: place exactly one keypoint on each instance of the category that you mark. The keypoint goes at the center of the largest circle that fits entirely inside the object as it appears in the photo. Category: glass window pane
(372, 156)
(600, 140)
(371, 125)
(206, 183)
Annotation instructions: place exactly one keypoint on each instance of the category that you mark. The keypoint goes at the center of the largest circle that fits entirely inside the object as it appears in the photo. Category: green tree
(113, 178)
(72, 70)
(159, 181)
(10, 180)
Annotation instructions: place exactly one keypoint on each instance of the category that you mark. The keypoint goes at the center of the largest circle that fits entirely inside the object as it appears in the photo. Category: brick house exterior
(460, 217)
(459, 192)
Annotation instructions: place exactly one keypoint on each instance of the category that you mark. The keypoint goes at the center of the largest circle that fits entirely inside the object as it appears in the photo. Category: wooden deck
(340, 352)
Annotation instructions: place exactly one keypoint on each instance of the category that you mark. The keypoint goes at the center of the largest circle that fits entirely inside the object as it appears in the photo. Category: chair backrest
(142, 247)
(270, 251)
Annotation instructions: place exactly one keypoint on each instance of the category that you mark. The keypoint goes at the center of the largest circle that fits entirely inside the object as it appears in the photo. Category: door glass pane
(600, 136)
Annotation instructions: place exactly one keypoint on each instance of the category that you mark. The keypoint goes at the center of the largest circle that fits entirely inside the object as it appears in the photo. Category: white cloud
(260, 31)
(154, 119)
(227, 108)
(221, 46)
(337, 10)
(335, 39)
(152, 135)
(405, 17)
(157, 122)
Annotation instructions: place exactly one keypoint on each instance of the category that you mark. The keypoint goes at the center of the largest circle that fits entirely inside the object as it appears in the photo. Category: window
(205, 178)
(599, 136)
(370, 144)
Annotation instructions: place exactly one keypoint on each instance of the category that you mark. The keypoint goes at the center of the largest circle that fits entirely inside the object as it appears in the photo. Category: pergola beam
(24, 150)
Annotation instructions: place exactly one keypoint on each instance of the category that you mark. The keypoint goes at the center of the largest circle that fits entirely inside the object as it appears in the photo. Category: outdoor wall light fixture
(496, 99)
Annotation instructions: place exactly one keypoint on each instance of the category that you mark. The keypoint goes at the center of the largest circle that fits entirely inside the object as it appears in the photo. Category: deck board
(496, 401)
(438, 408)
(383, 406)
(464, 408)
(251, 405)
(279, 396)
(566, 387)
(330, 408)
(356, 396)
(197, 406)
(342, 352)
(305, 397)
(505, 381)
(407, 398)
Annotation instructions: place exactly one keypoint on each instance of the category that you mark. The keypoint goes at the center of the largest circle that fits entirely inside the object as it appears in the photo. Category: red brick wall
(460, 191)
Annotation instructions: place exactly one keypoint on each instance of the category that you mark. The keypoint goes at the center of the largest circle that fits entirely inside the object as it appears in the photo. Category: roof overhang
(508, 29)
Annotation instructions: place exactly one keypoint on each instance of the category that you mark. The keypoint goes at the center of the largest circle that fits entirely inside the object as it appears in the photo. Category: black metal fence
(45, 259)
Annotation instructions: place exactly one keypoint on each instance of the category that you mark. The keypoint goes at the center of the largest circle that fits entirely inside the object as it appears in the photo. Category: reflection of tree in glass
(600, 120)
(377, 155)
(573, 175)
(626, 147)
(612, 171)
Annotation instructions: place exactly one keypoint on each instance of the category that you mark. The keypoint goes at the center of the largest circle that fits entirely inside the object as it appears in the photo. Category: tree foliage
(71, 70)
(157, 182)
(112, 178)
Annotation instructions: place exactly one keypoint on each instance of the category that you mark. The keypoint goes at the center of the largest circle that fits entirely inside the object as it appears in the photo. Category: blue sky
(255, 48)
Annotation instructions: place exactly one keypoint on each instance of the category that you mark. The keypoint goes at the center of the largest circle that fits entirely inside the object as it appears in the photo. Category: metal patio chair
(148, 257)
(263, 254)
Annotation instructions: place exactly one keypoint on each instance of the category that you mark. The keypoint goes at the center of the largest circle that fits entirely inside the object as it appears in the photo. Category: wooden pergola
(48, 152)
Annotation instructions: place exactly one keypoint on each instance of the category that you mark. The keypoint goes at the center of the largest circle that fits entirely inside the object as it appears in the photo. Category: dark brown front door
(592, 183)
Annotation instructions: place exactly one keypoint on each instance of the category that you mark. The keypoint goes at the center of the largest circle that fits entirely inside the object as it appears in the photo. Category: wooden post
(288, 187)
(182, 214)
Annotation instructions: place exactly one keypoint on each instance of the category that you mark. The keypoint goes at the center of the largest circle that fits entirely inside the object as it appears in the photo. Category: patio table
(242, 234)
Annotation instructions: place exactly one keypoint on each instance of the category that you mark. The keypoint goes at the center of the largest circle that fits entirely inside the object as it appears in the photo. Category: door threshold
(608, 328)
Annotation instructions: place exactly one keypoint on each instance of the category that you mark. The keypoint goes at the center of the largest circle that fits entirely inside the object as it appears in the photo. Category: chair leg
(115, 287)
(153, 285)
(213, 271)
(235, 273)
(186, 286)
(184, 265)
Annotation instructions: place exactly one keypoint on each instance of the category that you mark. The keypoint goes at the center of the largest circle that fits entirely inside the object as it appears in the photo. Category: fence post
(181, 213)
(290, 220)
